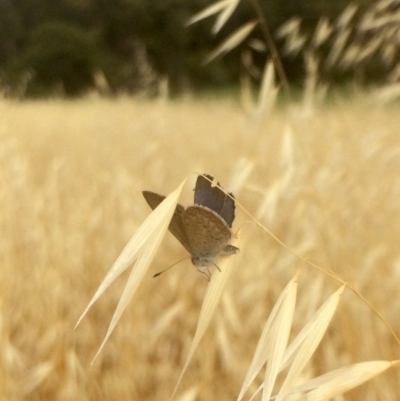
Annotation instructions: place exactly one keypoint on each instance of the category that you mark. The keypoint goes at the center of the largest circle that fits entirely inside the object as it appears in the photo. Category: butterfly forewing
(228, 210)
(207, 233)
(176, 224)
(214, 198)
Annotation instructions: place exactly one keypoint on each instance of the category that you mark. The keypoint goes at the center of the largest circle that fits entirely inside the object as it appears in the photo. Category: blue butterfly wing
(214, 198)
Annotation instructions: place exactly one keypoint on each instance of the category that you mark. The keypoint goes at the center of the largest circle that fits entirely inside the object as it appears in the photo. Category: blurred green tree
(60, 57)
(10, 28)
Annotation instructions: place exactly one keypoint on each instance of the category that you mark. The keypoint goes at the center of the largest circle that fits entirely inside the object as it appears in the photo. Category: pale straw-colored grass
(72, 175)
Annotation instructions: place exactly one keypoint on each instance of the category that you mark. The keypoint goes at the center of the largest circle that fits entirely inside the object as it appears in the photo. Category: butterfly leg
(206, 274)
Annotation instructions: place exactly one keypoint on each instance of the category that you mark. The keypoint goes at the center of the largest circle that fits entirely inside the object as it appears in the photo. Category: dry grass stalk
(234, 40)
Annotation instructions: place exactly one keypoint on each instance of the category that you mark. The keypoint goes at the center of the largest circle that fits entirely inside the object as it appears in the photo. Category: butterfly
(204, 228)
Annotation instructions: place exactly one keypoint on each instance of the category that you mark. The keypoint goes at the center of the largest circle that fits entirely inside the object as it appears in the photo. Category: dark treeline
(71, 45)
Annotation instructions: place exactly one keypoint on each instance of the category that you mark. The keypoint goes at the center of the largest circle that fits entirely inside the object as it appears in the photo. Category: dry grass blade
(249, 71)
(241, 171)
(267, 208)
(341, 380)
(322, 32)
(305, 332)
(36, 377)
(258, 45)
(272, 194)
(338, 47)
(382, 5)
(346, 16)
(232, 41)
(268, 91)
(210, 10)
(211, 299)
(278, 339)
(287, 149)
(372, 47)
(289, 28)
(224, 16)
(294, 45)
(387, 94)
(389, 53)
(143, 247)
(189, 395)
(273, 341)
(311, 84)
(350, 57)
(294, 42)
(163, 322)
(308, 343)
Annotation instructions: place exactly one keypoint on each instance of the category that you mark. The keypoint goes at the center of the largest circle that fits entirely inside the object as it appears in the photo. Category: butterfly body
(204, 228)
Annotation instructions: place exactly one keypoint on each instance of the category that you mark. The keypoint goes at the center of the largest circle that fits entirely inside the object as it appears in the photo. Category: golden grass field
(325, 181)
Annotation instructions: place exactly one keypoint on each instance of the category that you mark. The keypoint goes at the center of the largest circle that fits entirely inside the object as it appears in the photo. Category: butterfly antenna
(163, 271)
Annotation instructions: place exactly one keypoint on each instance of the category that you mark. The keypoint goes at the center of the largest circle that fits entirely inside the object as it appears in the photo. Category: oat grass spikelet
(271, 350)
(141, 248)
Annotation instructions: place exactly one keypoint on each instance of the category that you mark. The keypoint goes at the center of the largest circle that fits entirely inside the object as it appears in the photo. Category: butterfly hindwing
(206, 231)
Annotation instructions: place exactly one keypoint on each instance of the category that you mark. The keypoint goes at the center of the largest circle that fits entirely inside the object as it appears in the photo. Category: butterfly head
(202, 261)
(207, 260)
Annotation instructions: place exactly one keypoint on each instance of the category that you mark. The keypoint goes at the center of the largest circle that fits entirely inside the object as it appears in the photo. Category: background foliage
(67, 46)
